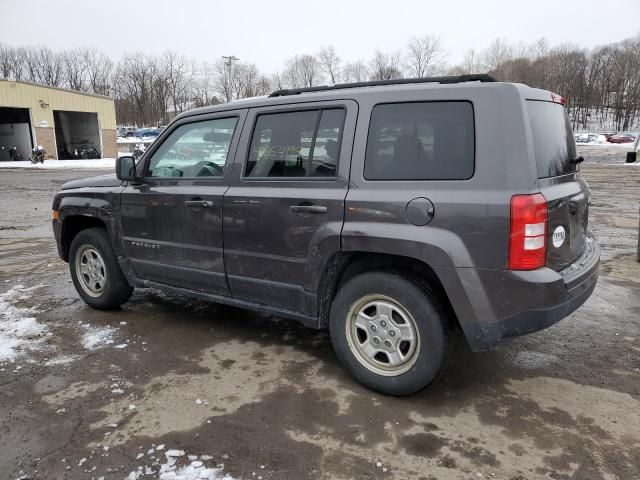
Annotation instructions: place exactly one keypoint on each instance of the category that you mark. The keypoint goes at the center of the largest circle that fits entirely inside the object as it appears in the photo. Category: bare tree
(30, 65)
(179, 74)
(290, 76)
(499, 52)
(302, 71)
(355, 72)
(12, 61)
(142, 83)
(539, 49)
(48, 67)
(7, 54)
(425, 56)
(246, 79)
(602, 86)
(277, 81)
(19, 56)
(75, 69)
(309, 68)
(330, 62)
(385, 66)
(470, 64)
(99, 71)
(204, 89)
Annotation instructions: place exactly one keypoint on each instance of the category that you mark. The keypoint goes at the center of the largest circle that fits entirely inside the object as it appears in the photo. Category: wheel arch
(74, 224)
(343, 266)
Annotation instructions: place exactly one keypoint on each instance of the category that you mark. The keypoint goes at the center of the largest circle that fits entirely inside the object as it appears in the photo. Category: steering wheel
(206, 168)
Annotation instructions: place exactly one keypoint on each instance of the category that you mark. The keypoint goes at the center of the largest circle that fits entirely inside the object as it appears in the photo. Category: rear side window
(296, 144)
(553, 142)
(421, 141)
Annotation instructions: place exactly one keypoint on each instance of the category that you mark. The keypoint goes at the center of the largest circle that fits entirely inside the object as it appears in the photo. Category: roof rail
(475, 77)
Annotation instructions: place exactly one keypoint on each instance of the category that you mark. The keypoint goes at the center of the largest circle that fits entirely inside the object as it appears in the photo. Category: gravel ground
(605, 154)
(96, 395)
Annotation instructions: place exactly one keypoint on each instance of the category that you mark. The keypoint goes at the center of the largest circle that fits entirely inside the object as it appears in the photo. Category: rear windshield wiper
(577, 160)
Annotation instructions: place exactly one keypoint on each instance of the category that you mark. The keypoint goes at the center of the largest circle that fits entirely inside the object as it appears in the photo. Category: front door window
(196, 149)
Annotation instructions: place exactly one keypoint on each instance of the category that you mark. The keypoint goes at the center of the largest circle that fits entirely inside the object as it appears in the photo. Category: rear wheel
(95, 271)
(389, 332)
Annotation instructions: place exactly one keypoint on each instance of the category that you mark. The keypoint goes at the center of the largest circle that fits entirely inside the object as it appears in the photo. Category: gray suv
(390, 213)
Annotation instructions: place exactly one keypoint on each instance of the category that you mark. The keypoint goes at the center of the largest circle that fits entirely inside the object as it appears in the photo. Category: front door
(284, 210)
(172, 220)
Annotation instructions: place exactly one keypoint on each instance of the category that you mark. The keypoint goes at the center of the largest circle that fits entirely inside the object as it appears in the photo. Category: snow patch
(61, 360)
(174, 453)
(101, 163)
(195, 470)
(97, 337)
(18, 329)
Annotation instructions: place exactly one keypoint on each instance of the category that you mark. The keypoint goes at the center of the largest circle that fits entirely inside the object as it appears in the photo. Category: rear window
(553, 142)
(421, 141)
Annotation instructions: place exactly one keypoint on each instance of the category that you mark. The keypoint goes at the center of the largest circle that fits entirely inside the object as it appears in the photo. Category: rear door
(284, 211)
(566, 192)
(172, 220)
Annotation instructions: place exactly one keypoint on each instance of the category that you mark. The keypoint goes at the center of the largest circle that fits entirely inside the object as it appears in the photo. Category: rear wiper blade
(577, 160)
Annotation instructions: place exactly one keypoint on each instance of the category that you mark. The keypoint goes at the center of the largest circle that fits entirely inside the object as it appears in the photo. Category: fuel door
(419, 211)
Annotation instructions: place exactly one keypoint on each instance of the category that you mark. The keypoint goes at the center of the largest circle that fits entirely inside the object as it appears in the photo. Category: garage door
(15, 131)
(77, 134)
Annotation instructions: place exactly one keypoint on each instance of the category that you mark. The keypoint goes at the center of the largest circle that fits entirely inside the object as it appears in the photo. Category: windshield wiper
(577, 160)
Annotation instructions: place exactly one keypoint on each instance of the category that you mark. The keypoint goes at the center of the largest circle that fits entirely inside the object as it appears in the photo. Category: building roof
(67, 90)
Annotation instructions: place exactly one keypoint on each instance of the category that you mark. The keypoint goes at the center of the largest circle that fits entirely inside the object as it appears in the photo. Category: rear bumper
(495, 305)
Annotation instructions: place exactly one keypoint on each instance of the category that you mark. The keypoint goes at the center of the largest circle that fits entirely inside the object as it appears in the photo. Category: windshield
(553, 141)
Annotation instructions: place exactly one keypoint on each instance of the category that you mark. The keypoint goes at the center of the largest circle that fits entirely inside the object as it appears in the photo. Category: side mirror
(126, 168)
(631, 157)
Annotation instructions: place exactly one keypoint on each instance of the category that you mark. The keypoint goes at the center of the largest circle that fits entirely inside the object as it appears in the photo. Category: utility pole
(228, 61)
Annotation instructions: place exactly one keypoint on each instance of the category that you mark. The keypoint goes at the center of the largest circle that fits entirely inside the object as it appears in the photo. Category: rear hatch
(566, 192)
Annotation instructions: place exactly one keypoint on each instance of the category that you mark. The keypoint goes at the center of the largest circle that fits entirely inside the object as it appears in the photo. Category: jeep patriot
(389, 212)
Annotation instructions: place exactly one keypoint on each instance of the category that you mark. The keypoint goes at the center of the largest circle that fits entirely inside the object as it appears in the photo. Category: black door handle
(199, 203)
(308, 209)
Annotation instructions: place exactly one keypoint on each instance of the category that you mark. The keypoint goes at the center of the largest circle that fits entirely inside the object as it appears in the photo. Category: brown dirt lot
(267, 398)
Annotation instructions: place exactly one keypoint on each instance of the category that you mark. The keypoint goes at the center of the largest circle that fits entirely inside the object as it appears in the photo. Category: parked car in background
(147, 133)
(124, 132)
(379, 210)
(621, 138)
(590, 138)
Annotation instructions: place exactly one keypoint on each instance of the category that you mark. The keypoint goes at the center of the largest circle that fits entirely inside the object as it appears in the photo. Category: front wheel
(389, 332)
(95, 271)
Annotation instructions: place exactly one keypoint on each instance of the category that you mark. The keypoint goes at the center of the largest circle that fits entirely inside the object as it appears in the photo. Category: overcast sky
(267, 32)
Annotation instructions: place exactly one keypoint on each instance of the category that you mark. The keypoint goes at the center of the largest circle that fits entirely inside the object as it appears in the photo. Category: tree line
(602, 86)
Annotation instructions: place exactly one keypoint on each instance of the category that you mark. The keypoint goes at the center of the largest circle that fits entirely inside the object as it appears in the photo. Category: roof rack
(477, 77)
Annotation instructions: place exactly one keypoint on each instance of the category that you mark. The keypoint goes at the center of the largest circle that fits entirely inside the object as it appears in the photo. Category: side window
(196, 149)
(421, 141)
(296, 144)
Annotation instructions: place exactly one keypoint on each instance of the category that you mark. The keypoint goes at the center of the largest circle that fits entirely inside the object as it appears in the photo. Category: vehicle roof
(366, 91)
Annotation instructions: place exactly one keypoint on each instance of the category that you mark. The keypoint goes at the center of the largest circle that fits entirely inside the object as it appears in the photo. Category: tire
(419, 339)
(102, 285)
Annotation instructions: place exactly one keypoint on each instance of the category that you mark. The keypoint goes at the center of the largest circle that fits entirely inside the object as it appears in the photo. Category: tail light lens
(528, 235)
(555, 98)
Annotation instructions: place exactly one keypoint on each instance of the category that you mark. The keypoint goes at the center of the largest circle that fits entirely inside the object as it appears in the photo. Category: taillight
(528, 235)
(555, 98)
